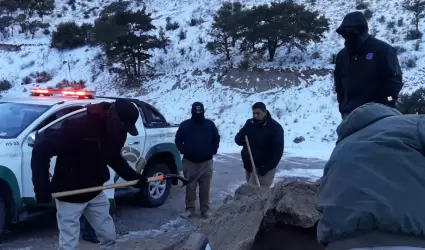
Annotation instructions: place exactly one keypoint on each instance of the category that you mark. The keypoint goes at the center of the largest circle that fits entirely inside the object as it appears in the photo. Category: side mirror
(32, 138)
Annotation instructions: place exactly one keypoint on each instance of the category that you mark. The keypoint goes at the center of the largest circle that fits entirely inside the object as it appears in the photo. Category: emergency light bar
(51, 92)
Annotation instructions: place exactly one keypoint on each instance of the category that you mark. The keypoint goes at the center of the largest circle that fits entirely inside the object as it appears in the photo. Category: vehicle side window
(142, 115)
(55, 127)
(57, 115)
(153, 115)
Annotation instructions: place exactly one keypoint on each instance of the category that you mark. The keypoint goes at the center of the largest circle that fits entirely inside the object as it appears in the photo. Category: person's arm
(337, 82)
(216, 137)
(45, 148)
(276, 153)
(240, 136)
(179, 140)
(392, 74)
(121, 167)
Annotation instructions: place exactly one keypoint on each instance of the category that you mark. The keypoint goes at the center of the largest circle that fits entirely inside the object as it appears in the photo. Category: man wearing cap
(366, 69)
(85, 146)
(198, 140)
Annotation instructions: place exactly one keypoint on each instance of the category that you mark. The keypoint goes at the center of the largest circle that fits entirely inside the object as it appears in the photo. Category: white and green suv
(152, 152)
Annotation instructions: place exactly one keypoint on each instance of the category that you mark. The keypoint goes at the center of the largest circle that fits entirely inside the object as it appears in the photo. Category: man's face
(258, 114)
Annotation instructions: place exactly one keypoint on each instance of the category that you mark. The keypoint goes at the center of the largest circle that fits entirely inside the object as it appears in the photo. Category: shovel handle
(101, 188)
(254, 170)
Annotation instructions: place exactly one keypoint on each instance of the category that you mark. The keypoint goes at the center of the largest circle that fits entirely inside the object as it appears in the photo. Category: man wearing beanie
(366, 69)
(198, 140)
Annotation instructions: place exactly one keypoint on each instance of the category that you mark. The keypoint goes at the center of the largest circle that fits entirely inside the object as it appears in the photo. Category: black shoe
(91, 239)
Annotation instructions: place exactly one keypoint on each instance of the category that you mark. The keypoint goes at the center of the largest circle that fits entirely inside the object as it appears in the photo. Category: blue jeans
(87, 230)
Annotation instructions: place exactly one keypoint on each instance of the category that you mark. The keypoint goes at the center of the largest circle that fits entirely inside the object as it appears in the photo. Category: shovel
(254, 170)
(120, 185)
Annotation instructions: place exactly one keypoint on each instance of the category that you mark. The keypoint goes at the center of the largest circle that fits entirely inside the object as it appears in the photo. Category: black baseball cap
(128, 114)
(198, 108)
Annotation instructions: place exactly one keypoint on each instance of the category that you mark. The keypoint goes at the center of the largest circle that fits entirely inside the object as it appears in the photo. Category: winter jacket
(266, 140)
(373, 187)
(197, 140)
(368, 73)
(83, 155)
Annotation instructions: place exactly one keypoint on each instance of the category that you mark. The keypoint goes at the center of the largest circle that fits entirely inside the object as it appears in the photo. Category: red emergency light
(51, 92)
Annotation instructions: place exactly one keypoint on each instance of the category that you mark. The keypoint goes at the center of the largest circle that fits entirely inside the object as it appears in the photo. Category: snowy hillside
(306, 109)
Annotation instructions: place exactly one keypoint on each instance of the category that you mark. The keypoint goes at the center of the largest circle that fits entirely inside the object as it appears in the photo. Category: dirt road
(155, 228)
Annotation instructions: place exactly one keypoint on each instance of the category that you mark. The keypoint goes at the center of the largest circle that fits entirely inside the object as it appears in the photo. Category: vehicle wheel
(156, 193)
(197, 241)
(2, 215)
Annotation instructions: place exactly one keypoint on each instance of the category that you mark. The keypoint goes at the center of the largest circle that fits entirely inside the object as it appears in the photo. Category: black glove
(142, 182)
(43, 197)
(262, 171)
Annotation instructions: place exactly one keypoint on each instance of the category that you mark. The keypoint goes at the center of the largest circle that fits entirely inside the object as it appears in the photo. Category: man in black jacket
(367, 69)
(266, 139)
(198, 140)
(84, 147)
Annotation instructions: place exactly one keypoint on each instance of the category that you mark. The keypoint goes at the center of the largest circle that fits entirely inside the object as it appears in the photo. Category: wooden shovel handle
(254, 170)
(101, 188)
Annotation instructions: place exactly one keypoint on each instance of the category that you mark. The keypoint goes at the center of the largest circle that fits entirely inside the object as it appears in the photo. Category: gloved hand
(261, 171)
(142, 182)
(43, 197)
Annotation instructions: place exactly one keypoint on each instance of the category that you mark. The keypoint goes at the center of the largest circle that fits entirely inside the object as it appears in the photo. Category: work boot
(187, 214)
(206, 215)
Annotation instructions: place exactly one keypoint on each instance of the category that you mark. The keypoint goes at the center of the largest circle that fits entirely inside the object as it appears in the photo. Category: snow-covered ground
(308, 110)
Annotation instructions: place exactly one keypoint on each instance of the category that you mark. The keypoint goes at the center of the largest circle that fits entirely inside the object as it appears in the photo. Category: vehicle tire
(197, 241)
(156, 193)
(3, 213)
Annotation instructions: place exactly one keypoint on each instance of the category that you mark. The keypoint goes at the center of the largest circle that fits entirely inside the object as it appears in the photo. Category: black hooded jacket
(367, 69)
(266, 140)
(83, 154)
(197, 139)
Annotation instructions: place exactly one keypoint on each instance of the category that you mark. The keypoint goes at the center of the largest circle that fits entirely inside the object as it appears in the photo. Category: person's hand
(43, 197)
(142, 182)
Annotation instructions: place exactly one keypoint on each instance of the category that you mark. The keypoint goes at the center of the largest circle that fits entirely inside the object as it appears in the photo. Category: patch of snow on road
(177, 224)
(311, 174)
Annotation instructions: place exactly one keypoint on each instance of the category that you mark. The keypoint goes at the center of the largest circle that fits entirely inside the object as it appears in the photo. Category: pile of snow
(308, 110)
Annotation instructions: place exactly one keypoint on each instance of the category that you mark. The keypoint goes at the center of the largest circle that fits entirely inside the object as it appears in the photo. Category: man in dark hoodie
(198, 140)
(372, 192)
(85, 146)
(266, 139)
(367, 69)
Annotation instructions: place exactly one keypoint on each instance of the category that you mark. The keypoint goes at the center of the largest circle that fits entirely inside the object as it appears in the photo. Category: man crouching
(198, 140)
(372, 191)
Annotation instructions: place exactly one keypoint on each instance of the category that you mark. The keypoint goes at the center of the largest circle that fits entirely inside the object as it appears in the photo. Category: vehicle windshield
(15, 117)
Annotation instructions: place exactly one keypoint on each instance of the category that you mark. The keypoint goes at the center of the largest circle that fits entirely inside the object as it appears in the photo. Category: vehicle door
(133, 150)
(52, 127)
(28, 189)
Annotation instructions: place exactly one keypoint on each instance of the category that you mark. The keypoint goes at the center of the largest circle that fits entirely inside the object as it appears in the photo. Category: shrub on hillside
(41, 77)
(368, 14)
(26, 80)
(399, 49)
(182, 34)
(381, 19)
(70, 36)
(362, 6)
(413, 35)
(81, 84)
(195, 21)
(5, 85)
(410, 63)
(390, 25)
(413, 103)
(171, 25)
(400, 22)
